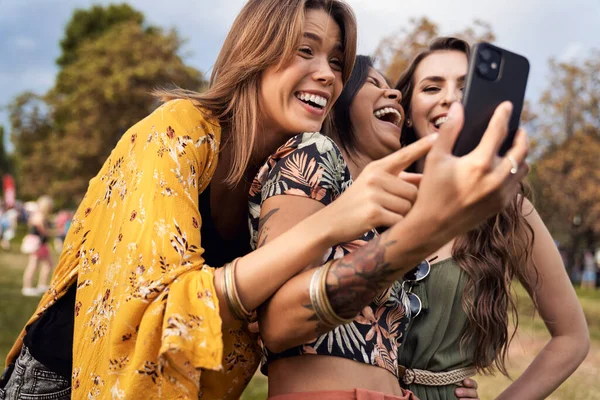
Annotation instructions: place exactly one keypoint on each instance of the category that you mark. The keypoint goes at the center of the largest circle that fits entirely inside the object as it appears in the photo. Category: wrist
(418, 235)
(322, 230)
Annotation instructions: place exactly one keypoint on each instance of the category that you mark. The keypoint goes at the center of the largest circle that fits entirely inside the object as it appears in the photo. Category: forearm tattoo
(263, 230)
(355, 280)
(321, 328)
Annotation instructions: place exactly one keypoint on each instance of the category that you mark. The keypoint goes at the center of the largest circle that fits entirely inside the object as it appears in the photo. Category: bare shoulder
(527, 207)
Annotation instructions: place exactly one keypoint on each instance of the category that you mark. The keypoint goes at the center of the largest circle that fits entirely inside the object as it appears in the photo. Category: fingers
(451, 128)
(411, 177)
(466, 394)
(403, 158)
(496, 131)
(395, 204)
(399, 187)
(470, 383)
(468, 391)
(386, 218)
(520, 147)
(513, 163)
(253, 327)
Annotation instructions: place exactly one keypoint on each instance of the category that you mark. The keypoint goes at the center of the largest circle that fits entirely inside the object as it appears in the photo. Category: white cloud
(571, 52)
(23, 42)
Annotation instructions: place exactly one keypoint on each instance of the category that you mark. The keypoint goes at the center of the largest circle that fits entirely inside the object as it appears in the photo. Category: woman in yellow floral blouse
(133, 292)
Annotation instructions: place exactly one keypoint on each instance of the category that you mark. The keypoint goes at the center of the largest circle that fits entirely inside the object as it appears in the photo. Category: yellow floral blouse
(146, 315)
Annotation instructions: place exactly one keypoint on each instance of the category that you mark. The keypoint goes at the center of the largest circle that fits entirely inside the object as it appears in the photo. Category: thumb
(400, 160)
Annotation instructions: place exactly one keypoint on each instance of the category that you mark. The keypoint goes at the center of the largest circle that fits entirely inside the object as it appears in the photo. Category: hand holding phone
(495, 75)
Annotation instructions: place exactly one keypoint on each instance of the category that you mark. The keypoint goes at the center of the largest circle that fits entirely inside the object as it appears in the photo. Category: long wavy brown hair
(264, 34)
(492, 255)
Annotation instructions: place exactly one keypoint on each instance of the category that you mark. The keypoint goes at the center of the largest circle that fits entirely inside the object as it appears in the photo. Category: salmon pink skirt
(356, 394)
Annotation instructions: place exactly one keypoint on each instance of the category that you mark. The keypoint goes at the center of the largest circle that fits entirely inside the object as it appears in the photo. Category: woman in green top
(466, 298)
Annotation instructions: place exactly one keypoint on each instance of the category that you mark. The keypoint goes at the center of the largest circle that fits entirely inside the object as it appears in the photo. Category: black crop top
(311, 165)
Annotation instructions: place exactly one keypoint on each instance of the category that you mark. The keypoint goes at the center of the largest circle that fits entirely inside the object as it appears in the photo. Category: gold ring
(515, 166)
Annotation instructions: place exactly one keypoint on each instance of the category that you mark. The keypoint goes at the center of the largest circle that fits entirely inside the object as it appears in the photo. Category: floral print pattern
(147, 320)
(311, 165)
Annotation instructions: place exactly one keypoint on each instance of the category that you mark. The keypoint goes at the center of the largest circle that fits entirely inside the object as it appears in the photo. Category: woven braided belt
(428, 378)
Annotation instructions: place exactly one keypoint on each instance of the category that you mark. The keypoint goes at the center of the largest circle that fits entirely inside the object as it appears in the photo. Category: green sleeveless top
(432, 342)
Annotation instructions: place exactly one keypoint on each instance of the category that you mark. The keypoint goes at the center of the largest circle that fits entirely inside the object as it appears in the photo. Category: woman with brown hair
(357, 358)
(134, 310)
(466, 297)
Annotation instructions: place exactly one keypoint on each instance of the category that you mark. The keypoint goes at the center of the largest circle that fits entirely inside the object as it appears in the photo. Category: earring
(409, 123)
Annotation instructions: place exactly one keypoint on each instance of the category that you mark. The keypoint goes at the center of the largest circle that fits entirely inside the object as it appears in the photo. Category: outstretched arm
(560, 309)
(454, 196)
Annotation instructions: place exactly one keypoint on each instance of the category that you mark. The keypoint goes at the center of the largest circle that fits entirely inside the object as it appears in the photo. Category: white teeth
(389, 110)
(313, 98)
(439, 121)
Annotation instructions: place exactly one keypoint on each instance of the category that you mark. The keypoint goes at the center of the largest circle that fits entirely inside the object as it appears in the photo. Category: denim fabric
(31, 380)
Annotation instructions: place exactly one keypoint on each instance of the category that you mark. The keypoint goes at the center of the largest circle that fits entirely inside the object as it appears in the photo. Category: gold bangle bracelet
(327, 308)
(319, 300)
(313, 290)
(225, 288)
(241, 311)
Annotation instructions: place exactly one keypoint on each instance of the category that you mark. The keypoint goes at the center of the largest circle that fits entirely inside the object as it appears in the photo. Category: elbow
(274, 345)
(578, 347)
(582, 341)
(276, 338)
(584, 344)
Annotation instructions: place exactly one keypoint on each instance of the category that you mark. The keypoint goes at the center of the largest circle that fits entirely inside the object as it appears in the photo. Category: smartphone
(495, 75)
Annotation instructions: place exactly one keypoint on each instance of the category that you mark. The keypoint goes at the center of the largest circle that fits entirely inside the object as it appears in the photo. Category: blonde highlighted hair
(264, 34)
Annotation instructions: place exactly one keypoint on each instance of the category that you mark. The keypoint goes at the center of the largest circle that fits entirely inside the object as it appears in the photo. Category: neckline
(442, 261)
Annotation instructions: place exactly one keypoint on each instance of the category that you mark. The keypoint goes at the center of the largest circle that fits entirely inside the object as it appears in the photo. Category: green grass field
(531, 337)
(583, 385)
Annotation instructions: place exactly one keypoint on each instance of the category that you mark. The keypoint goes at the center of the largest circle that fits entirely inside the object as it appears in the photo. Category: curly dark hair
(492, 255)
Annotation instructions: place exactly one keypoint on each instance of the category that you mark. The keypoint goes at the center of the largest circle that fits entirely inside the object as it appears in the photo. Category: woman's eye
(306, 50)
(373, 81)
(431, 89)
(337, 63)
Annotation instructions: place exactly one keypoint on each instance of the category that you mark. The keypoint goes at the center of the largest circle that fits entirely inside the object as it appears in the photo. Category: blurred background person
(8, 224)
(62, 223)
(39, 225)
(590, 269)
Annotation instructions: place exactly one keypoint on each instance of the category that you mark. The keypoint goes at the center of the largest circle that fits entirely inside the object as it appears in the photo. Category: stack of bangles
(319, 300)
(229, 289)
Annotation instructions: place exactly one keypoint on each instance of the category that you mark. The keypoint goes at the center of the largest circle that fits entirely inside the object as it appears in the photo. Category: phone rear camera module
(486, 54)
(488, 63)
(483, 69)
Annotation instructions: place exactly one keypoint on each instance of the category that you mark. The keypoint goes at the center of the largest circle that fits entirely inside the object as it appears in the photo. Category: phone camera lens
(483, 68)
(486, 54)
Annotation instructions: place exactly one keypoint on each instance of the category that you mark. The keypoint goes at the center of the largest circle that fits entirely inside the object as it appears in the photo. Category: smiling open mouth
(313, 100)
(439, 121)
(389, 114)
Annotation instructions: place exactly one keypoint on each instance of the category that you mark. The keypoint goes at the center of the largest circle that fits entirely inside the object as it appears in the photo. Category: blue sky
(30, 31)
